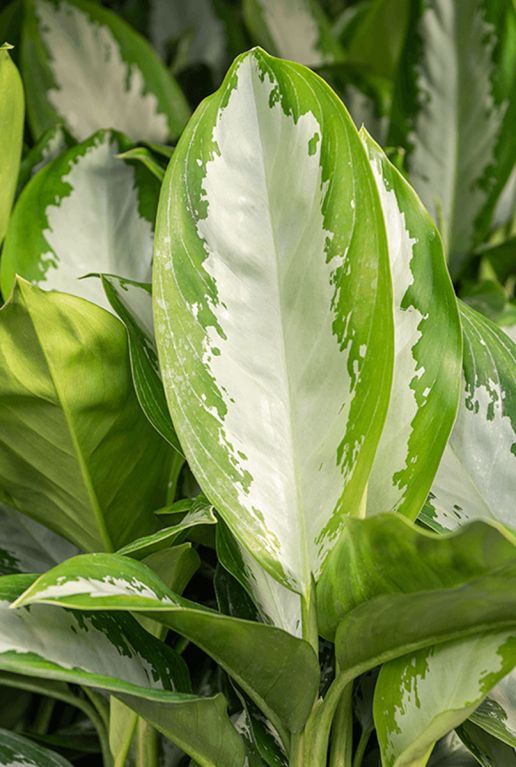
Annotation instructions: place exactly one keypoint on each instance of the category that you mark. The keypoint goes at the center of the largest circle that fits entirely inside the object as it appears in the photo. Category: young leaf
(293, 29)
(454, 112)
(132, 302)
(16, 750)
(271, 266)
(85, 67)
(76, 454)
(12, 109)
(87, 211)
(263, 660)
(475, 479)
(114, 653)
(27, 546)
(427, 349)
(386, 555)
(448, 682)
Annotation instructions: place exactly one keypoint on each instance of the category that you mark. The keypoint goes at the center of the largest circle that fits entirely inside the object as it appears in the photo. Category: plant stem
(361, 747)
(147, 745)
(342, 731)
(44, 715)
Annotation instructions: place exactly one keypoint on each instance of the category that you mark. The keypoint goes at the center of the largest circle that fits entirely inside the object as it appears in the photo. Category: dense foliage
(257, 391)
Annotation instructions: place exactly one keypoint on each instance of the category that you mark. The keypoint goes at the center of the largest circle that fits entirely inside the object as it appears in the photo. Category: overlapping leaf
(114, 653)
(17, 750)
(76, 451)
(86, 68)
(87, 211)
(475, 479)
(262, 659)
(427, 349)
(275, 268)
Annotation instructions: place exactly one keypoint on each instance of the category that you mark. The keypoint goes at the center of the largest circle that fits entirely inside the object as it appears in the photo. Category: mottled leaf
(85, 67)
(270, 266)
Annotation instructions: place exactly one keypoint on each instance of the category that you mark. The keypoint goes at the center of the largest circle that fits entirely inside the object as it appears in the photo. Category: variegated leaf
(86, 68)
(454, 112)
(476, 478)
(12, 110)
(275, 603)
(28, 547)
(273, 311)
(488, 751)
(451, 752)
(52, 143)
(293, 29)
(421, 697)
(263, 660)
(427, 349)
(113, 653)
(497, 713)
(76, 454)
(17, 751)
(87, 211)
(169, 19)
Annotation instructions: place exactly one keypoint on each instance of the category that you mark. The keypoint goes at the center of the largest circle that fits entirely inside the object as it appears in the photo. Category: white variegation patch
(387, 485)
(95, 87)
(72, 641)
(423, 698)
(97, 588)
(294, 30)
(283, 419)
(97, 225)
(458, 119)
(477, 475)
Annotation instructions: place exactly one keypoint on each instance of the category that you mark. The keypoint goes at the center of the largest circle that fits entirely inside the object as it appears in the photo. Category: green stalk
(44, 715)
(342, 731)
(147, 745)
(361, 747)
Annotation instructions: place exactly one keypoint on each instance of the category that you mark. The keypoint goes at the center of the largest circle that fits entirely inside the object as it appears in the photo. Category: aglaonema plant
(260, 510)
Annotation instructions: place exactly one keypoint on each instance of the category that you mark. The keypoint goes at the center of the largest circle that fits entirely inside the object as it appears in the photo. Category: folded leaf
(448, 682)
(76, 454)
(293, 29)
(265, 661)
(115, 654)
(454, 112)
(132, 302)
(27, 546)
(270, 266)
(17, 750)
(386, 555)
(85, 67)
(427, 349)
(87, 211)
(475, 479)
(12, 110)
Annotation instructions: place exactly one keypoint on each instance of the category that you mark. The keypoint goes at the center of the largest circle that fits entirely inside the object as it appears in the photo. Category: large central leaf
(273, 310)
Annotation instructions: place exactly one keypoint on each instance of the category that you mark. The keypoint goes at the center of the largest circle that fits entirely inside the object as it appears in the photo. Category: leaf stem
(342, 731)
(147, 745)
(361, 747)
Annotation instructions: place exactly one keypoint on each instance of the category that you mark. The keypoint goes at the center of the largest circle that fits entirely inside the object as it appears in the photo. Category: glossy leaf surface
(75, 454)
(275, 267)
(262, 659)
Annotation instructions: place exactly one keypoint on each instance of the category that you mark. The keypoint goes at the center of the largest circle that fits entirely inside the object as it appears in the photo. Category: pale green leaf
(421, 697)
(415, 564)
(87, 211)
(113, 653)
(27, 546)
(17, 751)
(476, 477)
(85, 67)
(454, 112)
(271, 266)
(12, 110)
(293, 29)
(76, 452)
(427, 349)
(263, 660)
